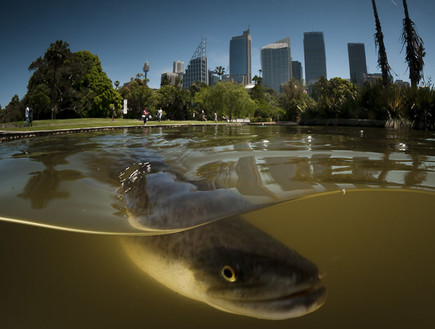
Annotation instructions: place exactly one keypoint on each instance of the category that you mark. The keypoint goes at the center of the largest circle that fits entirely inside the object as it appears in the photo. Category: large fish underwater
(210, 254)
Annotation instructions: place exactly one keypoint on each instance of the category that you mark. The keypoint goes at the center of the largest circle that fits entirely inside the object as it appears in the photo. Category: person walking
(26, 114)
(159, 114)
(145, 116)
(31, 116)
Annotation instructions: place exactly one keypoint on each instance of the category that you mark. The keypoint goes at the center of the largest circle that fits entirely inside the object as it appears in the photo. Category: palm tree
(414, 48)
(257, 80)
(220, 71)
(382, 54)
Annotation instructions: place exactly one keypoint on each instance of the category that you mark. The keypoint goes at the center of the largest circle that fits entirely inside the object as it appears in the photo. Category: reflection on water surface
(373, 241)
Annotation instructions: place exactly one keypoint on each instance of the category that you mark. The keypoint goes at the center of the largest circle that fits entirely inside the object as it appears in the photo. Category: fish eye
(228, 273)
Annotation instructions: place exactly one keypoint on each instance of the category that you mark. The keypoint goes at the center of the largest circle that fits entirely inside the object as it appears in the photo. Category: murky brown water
(361, 209)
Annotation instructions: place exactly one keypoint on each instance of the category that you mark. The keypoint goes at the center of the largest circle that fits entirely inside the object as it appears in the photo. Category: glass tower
(357, 62)
(315, 56)
(197, 69)
(276, 64)
(297, 70)
(240, 58)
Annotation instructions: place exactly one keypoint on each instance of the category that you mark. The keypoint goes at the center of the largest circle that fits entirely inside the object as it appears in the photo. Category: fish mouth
(297, 303)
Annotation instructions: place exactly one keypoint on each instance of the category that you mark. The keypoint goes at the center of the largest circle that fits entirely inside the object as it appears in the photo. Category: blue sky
(124, 34)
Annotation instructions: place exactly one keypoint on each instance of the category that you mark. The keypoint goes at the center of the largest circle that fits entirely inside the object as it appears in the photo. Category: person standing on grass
(31, 116)
(145, 116)
(26, 114)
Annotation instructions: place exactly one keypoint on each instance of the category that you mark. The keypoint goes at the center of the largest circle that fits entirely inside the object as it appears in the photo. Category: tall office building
(315, 56)
(357, 62)
(297, 70)
(197, 68)
(178, 67)
(276, 64)
(240, 58)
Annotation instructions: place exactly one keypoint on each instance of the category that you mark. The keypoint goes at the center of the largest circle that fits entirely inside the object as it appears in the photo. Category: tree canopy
(70, 84)
(226, 99)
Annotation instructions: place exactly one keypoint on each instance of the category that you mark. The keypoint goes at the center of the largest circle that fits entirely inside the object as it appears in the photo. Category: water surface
(357, 203)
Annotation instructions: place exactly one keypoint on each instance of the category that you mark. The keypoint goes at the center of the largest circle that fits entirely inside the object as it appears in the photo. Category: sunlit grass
(60, 124)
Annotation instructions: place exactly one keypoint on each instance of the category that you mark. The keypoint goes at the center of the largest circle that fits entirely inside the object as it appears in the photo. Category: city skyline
(126, 35)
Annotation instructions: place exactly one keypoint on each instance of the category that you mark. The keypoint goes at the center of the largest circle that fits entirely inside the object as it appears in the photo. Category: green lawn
(86, 123)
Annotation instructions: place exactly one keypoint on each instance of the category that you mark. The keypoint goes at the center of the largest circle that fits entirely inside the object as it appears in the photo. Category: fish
(161, 200)
(228, 263)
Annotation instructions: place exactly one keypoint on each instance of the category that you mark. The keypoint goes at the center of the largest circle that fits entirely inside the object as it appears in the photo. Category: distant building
(357, 62)
(197, 68)
(402, 83)
(212, 78)
(315, 57)
(169, 78)
(297, 70)
(372, 77)
(276, 64)
(178, 67)
(240, 58)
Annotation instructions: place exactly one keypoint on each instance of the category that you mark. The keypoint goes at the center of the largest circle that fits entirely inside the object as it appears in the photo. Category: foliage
(14, 111)
(174, 101)
(138, 96)
(69, 84)
(52, 79)
(266, 103)
(226, 99)
(419, 107)
(257, 80)
(220, 71)
(414, 48)
(335, 97)
(95, 88)
(294, 100)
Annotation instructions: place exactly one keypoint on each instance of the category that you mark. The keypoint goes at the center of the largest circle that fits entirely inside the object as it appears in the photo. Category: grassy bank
(39, 125)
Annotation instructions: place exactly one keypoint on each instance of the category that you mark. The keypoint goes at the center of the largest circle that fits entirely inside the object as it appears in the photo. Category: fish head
(280, 286)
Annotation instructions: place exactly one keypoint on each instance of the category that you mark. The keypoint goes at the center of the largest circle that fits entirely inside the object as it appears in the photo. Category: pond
(218, 226)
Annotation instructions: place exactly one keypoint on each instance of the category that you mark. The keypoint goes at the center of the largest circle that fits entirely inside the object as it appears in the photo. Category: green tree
(138, 96)
(414, 48)
(258, 80)
(334, 97)
(220, 71)
(175, 101)
(226, 99)
(382, 53)
(52, 71)
(95, 88)
(14, 111)
(70, 84)
(266, 103)
(294, 100)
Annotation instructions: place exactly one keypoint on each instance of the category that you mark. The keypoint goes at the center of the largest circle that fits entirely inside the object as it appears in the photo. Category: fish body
(214, 256)
(232, 266)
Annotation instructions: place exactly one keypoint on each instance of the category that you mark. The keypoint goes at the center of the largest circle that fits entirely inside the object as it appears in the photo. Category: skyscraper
(178, 67)
(315, 56)
(357, 62)
(276, 64)
(197, 68)
(240, 58)
(297, 70)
